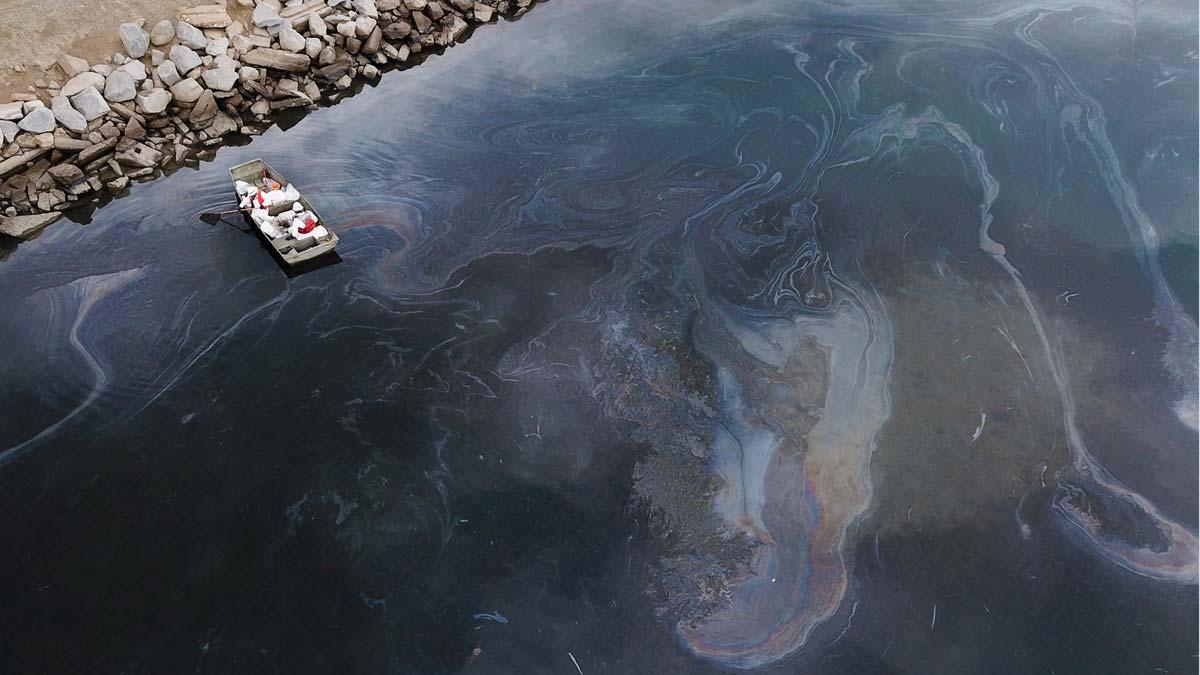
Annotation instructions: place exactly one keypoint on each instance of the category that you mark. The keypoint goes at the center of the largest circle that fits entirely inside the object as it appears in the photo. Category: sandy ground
(34, 32)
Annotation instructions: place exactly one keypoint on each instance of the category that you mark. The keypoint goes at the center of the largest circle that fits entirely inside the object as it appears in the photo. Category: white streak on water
(979, 429)
(282, 297)
(1179, 562)
(86, 293)
(1088, 120)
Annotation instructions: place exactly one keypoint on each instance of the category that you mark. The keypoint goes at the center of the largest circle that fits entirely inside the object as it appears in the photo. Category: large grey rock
(366, 7)
(135, 70)
(185, 59)
(397, 30)
(82, 81)
(421, 21)
(139, 155)
(209, 16)
(15, 162)
(242, 43)
(286, 86)
(11, 111)
(373, 41)
(483, 12)
(363, 26)
(204, 110)
(67, 175)
(162, 33)
(190, 36)
(50, 200)
(96, 150)
(296, 101)
(168, 73)
(24, 227)
(290, 40)
(456, 28)
(119, 87)
(220, 79)
(313, 91)
(277, 59)
(136, 40)
(67, 115)
(65, 142)
(266, 16)
(222, 124)
(38, 121)
(217, 46)
(134, 129)
(72, 65)
(316, 26)
(90, 104)
(187, 90)
(8, 130)
(153, 101)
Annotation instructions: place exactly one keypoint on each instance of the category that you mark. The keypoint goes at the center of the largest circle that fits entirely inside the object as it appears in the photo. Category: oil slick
(1171, 553)
(79, 298)
(794, 488)
(795, 495)
(682, 278)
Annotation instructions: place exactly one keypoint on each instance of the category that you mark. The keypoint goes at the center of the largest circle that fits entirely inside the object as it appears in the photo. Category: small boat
(290, 250)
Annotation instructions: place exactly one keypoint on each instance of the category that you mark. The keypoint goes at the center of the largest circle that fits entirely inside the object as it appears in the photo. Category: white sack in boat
(287, 194)
(267, 223)
(319, 232)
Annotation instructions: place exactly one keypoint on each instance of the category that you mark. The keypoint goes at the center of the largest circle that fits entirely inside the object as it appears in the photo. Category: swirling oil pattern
(663, 337)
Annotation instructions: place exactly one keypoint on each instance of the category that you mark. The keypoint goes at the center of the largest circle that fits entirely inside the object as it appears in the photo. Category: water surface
(666, 337)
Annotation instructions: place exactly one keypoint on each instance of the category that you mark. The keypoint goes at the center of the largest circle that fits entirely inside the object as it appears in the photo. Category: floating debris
(491, 616)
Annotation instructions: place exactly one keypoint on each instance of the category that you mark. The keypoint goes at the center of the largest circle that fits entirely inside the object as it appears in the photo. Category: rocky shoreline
(181, 88)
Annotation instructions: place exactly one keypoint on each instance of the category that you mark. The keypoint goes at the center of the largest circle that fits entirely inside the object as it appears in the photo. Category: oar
(214, 217)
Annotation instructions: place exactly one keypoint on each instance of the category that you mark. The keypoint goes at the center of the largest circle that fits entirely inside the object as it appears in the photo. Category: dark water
(667, 337)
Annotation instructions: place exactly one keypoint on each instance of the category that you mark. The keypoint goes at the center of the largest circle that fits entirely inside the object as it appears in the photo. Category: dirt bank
(34, 32)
